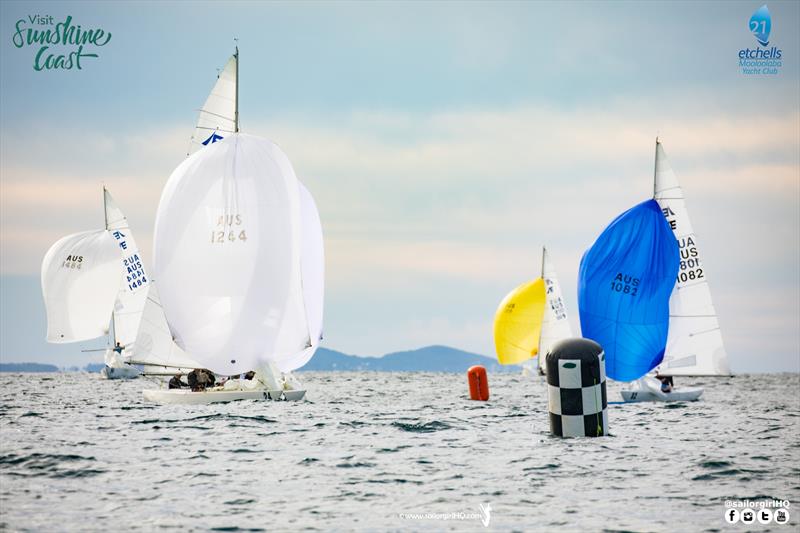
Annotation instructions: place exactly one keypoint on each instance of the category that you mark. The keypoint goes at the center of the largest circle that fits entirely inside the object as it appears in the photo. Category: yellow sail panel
(518, 323)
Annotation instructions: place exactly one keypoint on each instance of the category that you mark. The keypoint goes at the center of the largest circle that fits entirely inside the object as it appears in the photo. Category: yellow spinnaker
(518, 323)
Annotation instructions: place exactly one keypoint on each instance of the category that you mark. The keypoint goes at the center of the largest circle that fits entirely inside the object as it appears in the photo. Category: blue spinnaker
(624, 285)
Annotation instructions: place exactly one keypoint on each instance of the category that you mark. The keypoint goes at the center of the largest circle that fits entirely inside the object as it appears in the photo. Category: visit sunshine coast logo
(763, 60)
(62, 45)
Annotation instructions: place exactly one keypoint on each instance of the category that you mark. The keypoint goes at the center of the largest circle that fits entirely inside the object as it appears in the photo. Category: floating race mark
(212, 139)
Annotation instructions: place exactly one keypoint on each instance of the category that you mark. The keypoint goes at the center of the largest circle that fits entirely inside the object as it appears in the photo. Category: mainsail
(694, 344)
(228, 247)
(80, 280)
(133, 286)
(555, 325)
(518, 323)
(219, 116)
(624, 285)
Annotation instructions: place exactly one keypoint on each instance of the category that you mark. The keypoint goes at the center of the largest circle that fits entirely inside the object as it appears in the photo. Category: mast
(539, 346)
(236, 99)
(105, 208)
(544, 252)
(655, 167)
(113, 332)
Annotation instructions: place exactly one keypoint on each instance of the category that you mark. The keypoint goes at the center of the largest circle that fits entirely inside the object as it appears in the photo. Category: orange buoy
(478, 384)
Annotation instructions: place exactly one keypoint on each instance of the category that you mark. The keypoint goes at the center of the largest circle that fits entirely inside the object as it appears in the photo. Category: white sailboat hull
(124, 372)
(648, 389)
(678, 395)
(187, 397)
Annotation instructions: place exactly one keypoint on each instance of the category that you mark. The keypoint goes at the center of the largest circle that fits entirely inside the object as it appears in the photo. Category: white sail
(217, 117)
(154, 345)
(555, 325)
(227, 254)
(80, 280)
(694, 344)
(313, 272)
(133, 287)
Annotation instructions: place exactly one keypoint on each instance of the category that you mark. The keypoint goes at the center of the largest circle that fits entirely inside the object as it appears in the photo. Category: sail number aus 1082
(625, 284)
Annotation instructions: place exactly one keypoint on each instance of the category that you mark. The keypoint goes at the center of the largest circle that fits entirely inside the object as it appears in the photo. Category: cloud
(425, 209)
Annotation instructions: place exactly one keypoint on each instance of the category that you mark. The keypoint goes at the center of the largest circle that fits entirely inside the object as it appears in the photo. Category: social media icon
(765, 516)
(731, 516)
(781, 516)
(748, 516)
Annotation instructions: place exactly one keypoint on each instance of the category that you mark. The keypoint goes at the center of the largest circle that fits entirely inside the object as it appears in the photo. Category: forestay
(518, 323)
(694, 345)
(80, 281)
(624, 284)
(227, 246)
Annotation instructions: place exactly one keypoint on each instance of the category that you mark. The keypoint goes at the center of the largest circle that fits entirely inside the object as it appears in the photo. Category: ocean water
(366, 450)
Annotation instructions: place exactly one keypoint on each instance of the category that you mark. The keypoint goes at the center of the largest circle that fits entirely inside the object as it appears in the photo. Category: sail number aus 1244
(229, 229)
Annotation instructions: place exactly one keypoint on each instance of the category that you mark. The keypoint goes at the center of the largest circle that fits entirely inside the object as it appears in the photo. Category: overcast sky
(444, 143)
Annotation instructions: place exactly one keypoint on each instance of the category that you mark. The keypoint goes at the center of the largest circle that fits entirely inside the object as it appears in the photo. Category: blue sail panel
(624, 284)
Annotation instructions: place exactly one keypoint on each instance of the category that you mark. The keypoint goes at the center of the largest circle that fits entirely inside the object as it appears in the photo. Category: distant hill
(427, 359)
(27, 367)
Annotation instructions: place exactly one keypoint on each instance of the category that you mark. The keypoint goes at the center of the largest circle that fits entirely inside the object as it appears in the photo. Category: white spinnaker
(217, 117)
(694, 343)
(227, 248)
(80, 280)
(313, 271)
(133, 287)
(154, 345)
(555, 325)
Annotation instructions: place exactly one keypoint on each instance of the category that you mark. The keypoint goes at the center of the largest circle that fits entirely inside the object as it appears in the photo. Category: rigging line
(215, 115)
(154, 364)
(693, 316)
(704, 331)
(208, 128)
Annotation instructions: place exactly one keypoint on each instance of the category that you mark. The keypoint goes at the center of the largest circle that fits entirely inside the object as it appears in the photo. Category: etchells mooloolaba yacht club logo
(62, 45)
(763, 60)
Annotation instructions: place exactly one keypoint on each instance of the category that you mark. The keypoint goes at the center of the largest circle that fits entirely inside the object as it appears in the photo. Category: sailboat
(555, 326)
(94, 284)
(235, 185)
(694, 344)
(531, 319)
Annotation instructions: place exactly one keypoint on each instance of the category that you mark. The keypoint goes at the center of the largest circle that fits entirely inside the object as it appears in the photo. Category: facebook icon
(731, 516)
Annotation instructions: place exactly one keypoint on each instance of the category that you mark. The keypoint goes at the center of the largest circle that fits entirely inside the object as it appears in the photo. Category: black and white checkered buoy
(576, 385)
